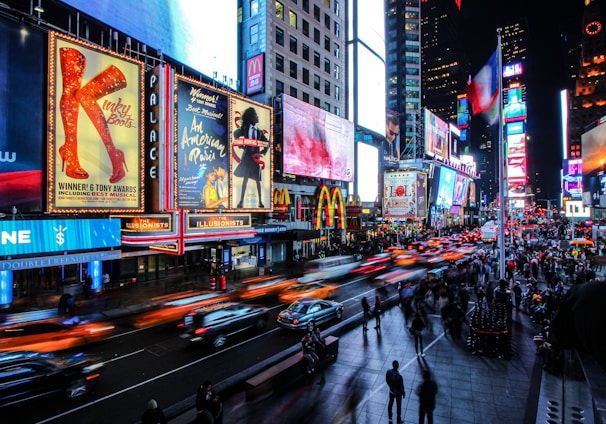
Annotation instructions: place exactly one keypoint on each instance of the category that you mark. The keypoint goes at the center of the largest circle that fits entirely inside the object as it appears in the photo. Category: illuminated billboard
(445, 190)
(512, 70)
(459, 197)
(255, 68)
(515, 107)
(455, 142)
(368, 171)
(251, 154)
(316, 143)
(463, 115)
(405, 194)
(572, 184)
(593, 146)
(512, 128)
(96, 129)
(516, 187)
(516, 145)
(436, 136)
(23, 109)
(202, 146)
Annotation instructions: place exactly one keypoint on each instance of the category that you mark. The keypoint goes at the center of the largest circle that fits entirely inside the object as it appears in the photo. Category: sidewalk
(472, 389)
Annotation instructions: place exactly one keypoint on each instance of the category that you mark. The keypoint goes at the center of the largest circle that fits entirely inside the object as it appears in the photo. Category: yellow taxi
(316, 289)
(268, 285)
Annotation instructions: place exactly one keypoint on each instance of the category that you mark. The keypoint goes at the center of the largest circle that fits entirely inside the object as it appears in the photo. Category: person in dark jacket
(427, 391)
(153, 414)
(208, 404)
(416, 327)
(395, 382)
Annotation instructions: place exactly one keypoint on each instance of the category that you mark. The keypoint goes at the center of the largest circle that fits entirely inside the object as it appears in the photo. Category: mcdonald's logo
(255, 65)
(281, 200)
(332, 201)
(353, 200)
(254, 74)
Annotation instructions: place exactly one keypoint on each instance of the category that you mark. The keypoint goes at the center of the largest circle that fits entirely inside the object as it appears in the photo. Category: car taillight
(295, 321)
(279, 318)
(92, 376)
(200, 330)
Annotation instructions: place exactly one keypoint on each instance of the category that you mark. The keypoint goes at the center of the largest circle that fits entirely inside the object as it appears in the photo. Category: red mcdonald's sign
(254, 74)
(332, 201)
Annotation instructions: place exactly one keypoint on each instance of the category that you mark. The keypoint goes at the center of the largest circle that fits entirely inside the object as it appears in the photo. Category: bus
(329, 268)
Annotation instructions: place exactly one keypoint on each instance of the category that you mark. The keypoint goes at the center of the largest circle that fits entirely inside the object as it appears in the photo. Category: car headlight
(92, 368)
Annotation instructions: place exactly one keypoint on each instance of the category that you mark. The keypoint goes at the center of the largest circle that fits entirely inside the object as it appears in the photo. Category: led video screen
(445, 188)
(593, 146)
(436, 136)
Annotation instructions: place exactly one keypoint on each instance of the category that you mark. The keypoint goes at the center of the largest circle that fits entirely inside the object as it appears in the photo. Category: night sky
(548, 23)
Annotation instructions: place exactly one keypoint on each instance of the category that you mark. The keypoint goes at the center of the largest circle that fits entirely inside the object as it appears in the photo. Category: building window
(337, 50)
(306, 52)
(305, 76)
(293, 92)
(327, 87)
(337, 30)
(254, 34)
(317, 82)
(327, 3)
(337, 8)
(317, 59)
(327, 21)
(254, 7)
(306, 97)
(293, 44)
(306, 5)
(279, 36)
(316, 13)
(327, 106)
(337, 92)
(327, 65)
(305, 27)
(337, 72)
(316, 102)
(279, 62)
(279, 87)
(279, 11)
(327, 43)
(292, 19)
(317, 35)
(293, 69)
(337, 111)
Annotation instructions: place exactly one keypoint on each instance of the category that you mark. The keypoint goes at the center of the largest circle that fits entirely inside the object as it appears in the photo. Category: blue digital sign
(57, 235)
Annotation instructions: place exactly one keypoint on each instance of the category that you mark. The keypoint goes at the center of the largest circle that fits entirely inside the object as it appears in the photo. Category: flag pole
(501, 164)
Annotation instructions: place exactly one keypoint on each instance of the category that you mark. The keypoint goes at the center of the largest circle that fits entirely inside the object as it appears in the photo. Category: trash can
(213, 284)
(222, 283)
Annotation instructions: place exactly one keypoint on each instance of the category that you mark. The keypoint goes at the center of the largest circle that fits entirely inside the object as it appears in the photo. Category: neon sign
(332, 201)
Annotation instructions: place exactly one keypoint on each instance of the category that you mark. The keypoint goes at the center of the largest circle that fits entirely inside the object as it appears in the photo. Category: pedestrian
(395, 382)
(319, 342)
(378, 310)
(416, 327)
(309, 352)
(366, 313)
(427, 391)
(153, 414)
(208, 404)
(517, 294)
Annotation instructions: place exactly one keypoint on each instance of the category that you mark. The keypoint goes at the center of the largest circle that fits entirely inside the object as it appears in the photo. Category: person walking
(378, 310)
(153, 414)
(395, 382)
(366, 310)
(309, 352)
(208, 404)
(427, 391)
(417, 326)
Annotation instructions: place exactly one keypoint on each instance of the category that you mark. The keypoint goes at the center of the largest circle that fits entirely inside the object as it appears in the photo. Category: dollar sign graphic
(60, 239)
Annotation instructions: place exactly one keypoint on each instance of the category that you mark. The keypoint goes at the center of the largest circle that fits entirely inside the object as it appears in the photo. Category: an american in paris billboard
(95, 148)
(202, 146)
(316, 142)
(22, 107)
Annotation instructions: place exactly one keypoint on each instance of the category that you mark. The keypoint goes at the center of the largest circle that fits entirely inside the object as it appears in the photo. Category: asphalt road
(155, 362)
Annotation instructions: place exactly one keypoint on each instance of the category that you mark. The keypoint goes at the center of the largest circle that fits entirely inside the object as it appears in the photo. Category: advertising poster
(95, 151)
(400, 194)
(472, 195)
(422, 195)
(460, 190)
(436, 136)
(255, 80)
(317, 143)
(22, 107)
(202, 146)
(445, 188)
(593, 146)
(572, 186)
(251, 161)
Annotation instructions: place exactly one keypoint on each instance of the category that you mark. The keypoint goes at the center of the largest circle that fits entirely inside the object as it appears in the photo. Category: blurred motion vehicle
(401, 275)
(489, 231)
(213, 324)
(306, 314)
(374, 264)
(408, 258)
(51, 335)
(27, 375)
(318, 289)
(329, 268)
(173, 309)
(267, 285)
